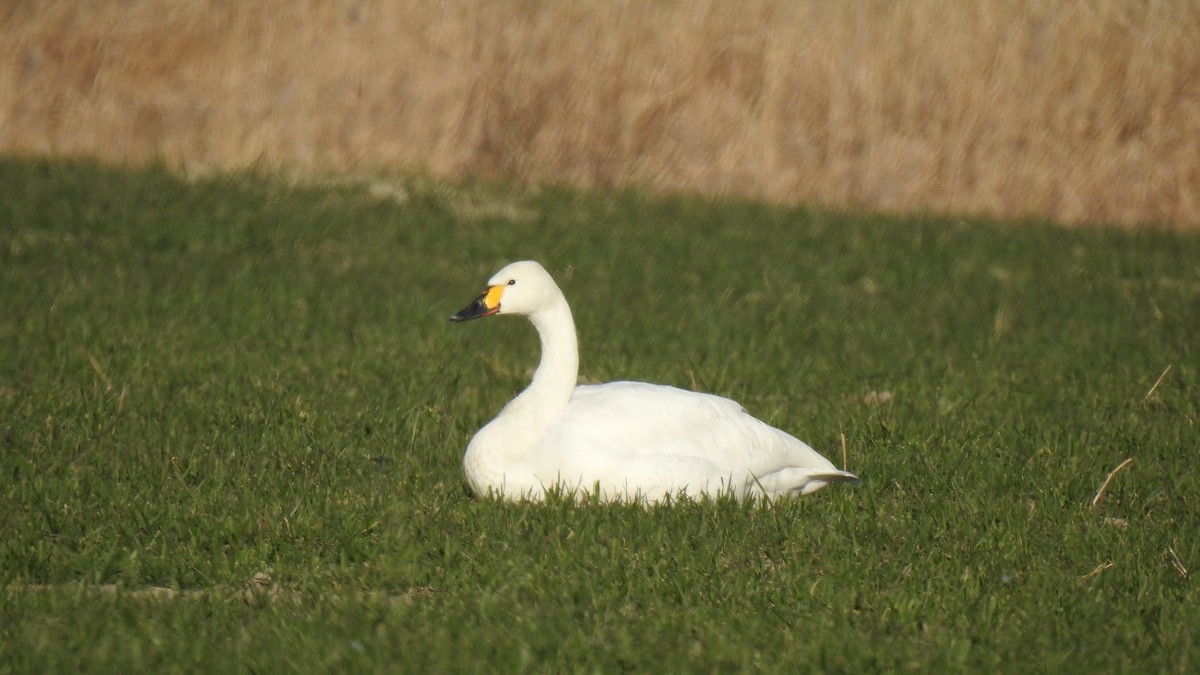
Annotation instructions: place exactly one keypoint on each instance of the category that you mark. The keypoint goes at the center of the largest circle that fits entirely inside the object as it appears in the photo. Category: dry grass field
(1083, 111)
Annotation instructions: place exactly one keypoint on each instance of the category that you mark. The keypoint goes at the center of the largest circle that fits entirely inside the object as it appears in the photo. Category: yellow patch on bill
(492, 298)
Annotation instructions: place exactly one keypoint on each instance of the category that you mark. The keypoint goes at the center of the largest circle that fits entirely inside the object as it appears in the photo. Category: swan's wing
(666, 436)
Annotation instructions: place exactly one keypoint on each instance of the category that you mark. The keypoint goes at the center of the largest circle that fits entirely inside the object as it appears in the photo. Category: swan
(625, 441)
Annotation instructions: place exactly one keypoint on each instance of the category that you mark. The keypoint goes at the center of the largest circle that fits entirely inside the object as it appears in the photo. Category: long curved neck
(495, 455)
(558, 371)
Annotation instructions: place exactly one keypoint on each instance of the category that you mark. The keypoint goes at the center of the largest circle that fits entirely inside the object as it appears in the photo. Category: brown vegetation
(1079, 110)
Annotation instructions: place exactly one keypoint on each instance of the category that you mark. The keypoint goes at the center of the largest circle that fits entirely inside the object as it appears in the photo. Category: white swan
(630, 441)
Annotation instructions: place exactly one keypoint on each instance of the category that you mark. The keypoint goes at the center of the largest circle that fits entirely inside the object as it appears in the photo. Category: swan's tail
(819, 479)
(797, 480)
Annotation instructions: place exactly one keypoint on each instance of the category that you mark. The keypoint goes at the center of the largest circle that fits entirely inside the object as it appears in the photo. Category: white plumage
(632, 441)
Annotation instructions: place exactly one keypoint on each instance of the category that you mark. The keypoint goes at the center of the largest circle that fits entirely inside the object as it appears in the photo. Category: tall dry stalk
(1079, 110)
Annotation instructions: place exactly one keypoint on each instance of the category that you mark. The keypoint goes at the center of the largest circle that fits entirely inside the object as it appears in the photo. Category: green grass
(205, 381)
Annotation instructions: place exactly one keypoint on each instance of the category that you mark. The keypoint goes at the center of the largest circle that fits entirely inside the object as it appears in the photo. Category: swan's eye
(512, 282)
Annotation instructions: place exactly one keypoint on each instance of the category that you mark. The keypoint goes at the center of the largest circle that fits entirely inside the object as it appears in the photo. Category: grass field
(233, 411)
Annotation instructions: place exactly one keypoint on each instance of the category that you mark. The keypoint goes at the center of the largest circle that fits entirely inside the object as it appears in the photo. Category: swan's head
(520, 288)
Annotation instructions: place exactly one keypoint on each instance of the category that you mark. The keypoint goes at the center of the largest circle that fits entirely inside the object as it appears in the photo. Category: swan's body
(630, 441)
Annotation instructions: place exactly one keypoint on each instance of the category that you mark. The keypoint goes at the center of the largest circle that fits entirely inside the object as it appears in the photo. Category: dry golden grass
(1078, 110)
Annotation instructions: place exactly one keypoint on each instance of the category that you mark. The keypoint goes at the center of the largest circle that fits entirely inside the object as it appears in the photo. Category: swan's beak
(487, 304)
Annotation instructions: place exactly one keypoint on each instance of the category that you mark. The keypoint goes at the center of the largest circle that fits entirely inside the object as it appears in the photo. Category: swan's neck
(555, 378)
(495, 455)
